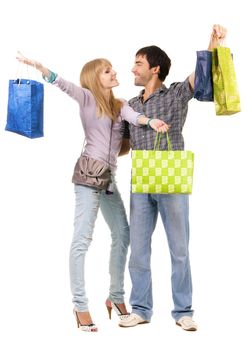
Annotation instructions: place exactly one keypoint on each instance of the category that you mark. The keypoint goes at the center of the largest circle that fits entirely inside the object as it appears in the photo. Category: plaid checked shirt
(170, 105)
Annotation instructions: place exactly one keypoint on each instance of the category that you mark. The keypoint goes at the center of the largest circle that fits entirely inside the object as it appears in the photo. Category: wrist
(149, 123)
(50, 78)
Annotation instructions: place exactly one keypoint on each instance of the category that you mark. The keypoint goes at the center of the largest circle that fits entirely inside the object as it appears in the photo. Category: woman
(101, 115)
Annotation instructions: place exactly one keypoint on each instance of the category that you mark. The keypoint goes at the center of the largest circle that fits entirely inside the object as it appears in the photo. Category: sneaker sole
(191, 329)
(144, 322)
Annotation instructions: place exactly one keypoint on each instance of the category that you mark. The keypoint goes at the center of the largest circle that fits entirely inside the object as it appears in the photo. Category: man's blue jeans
(88, 202)
(174, 211)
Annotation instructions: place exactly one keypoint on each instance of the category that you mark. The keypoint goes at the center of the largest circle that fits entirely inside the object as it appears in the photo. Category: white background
(36, 194)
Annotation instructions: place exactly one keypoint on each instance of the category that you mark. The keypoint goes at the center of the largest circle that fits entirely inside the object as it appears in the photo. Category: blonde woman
(102, 118)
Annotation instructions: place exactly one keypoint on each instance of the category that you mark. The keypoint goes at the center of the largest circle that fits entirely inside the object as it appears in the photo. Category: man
(151, 67)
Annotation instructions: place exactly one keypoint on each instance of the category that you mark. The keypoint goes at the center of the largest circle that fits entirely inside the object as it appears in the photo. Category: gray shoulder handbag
(92, 172)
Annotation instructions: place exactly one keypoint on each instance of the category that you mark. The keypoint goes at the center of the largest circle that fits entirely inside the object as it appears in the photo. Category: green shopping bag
(158, 171)
(226, 95)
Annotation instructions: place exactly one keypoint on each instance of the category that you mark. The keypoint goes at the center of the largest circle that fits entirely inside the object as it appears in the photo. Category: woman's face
(108, 78)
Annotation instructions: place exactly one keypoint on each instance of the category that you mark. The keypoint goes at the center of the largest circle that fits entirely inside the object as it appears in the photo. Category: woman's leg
(86, 209)
(114, 213)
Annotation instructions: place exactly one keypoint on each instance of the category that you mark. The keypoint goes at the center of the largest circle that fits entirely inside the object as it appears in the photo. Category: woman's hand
(159, 125)
(45, 71)
(25, 60)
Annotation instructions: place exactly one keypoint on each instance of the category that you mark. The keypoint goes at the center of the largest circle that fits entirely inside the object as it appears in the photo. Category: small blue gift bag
(203, 90)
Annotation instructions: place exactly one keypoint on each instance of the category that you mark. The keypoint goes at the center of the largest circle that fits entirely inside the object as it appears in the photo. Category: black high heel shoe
(117, 308)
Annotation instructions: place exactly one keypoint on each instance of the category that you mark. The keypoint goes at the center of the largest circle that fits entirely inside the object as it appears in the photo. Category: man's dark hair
(156, 57)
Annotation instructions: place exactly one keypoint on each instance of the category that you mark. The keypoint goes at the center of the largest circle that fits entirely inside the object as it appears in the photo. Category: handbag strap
(158, 139)
(110, 141)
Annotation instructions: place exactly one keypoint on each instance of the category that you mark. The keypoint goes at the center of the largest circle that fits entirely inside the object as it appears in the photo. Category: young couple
(156, 109)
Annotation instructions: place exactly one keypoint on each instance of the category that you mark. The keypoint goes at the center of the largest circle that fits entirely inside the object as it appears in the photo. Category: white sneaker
(187, 323)
(131, 320)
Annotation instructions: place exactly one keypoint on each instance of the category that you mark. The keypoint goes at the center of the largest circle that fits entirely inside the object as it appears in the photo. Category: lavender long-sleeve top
(101, 143)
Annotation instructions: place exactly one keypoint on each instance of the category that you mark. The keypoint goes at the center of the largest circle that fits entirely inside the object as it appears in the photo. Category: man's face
(142, 71)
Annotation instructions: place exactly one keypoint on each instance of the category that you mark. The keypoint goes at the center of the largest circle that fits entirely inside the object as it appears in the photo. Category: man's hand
(218, 35)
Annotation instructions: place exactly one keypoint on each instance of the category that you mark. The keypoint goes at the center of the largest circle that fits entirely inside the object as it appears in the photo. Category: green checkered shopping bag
(226, 94)
(158, 171)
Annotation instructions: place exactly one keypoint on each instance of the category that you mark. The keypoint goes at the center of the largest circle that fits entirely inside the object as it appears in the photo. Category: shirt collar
(162, 88)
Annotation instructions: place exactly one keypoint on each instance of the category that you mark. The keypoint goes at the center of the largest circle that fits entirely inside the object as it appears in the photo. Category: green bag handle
(158, 139)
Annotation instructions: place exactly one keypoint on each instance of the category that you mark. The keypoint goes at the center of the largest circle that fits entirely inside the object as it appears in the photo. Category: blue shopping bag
(25, 108)
(203, 90)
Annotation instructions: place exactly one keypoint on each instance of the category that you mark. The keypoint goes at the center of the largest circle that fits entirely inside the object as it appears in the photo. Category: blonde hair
(89, 79)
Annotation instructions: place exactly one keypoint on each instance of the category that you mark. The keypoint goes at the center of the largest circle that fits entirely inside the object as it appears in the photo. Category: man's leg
(143, 218)
(174, 210)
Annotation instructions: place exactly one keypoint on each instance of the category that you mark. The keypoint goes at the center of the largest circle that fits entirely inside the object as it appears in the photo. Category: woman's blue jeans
(88, 202)
(174, 211)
